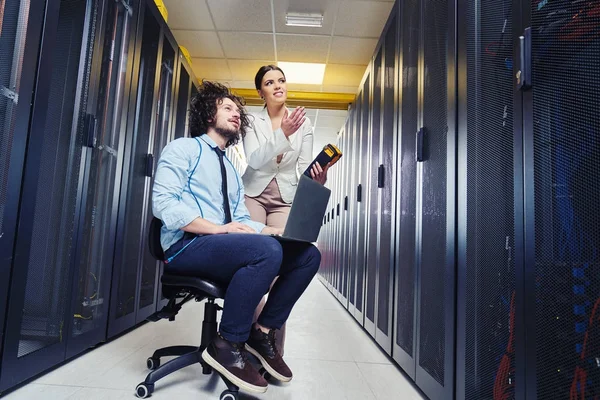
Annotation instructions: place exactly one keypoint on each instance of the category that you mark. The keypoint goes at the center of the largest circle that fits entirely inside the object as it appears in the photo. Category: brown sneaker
(230, 359)
(262, 345)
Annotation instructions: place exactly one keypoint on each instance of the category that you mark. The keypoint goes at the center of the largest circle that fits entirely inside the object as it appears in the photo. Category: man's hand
(319, 174)
(235, 227)
(291, 123)
(269, 230)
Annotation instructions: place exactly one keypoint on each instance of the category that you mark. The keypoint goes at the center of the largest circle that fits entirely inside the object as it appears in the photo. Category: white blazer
(262, 145)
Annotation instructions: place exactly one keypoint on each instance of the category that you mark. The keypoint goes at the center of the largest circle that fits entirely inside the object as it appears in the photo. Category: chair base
(186, 355)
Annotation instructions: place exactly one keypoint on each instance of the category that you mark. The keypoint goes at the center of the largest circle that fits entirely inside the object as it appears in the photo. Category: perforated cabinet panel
(490, 269)
(390, 171)
(566, 146)
(408, 170)
(433, 250)
(362, 205)
(52, 242)
(372, 208)
(12, 43)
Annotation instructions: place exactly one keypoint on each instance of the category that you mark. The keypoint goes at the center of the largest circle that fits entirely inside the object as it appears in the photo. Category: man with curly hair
(207, 232)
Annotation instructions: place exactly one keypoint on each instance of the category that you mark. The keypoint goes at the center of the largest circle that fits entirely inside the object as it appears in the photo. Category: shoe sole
(231, 377)
(266, 366)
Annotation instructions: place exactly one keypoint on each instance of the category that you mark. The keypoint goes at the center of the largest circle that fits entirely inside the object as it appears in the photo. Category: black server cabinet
(335, 235)
(164, 117)
(561, 152)
(345, 207)
(404, 348)
(386, 175)
(487, 200)
(183, 97)
(362, 185)
(436, 216)
(106, 121)
(59, 297)
(372, 161)
(22, 24)
(354, 190)
(134, 280)
(343, 197)
(135, 289)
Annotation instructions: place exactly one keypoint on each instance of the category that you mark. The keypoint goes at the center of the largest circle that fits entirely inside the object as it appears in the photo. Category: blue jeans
(248, 263)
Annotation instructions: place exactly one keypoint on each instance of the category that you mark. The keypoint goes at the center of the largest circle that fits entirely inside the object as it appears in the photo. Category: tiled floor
(330, 355)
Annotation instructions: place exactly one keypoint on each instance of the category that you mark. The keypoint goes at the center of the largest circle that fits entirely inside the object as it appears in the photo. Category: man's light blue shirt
(187, 185)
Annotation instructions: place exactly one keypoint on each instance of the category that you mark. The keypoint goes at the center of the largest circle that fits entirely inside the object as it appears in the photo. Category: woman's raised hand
(290, 123)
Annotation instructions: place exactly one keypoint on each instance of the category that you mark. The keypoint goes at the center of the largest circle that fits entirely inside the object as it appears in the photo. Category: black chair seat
(207, 288)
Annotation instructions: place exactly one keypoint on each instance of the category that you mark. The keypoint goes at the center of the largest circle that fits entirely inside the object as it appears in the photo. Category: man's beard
(226, 133)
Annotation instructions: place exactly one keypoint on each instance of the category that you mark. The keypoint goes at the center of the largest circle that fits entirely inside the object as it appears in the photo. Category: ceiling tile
(300, 48)
(211, 69)
(188, 14)
(245, 70)
(203, 44)
(355, 51)
(362, 18)
(327, 8)
(248, 46)
(344, 75)
(247, 15)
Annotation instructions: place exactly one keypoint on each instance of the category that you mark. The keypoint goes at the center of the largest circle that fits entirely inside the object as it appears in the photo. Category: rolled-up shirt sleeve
(172, 173)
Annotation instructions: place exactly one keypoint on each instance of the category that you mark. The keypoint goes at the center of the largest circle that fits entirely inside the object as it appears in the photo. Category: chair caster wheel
(144, 390)
(263, 372)
(152, 363)
(229, 395)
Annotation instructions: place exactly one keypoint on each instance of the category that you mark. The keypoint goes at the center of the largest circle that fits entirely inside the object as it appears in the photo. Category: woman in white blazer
(278, 147)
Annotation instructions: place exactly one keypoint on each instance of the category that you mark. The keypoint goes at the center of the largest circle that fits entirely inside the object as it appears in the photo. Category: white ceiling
(229, 40)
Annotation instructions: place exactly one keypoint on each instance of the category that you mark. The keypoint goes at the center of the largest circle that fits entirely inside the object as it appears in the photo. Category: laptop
(308, 209)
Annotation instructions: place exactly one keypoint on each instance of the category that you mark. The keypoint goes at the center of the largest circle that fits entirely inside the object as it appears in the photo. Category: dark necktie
(226, 208)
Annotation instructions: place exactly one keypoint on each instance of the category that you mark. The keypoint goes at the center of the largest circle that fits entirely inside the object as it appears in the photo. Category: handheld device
(330, 154)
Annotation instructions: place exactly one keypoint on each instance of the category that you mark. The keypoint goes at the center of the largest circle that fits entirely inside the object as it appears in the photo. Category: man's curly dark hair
(203, 108)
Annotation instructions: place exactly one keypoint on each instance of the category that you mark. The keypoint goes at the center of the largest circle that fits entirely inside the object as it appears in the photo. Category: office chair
(185, 288)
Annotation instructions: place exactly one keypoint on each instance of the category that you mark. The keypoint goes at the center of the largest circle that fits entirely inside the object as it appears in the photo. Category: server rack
(181, 105)
(101, 112)
(66, 186)
(372, 160)
(387, 175)
(20, 40)
(561, 153)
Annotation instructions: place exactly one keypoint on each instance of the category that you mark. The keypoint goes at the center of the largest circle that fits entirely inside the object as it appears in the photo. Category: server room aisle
(330, 355)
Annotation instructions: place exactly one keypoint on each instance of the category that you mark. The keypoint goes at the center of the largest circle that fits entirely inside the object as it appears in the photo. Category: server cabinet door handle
(359, 193)
(338, 209)
(149, 165)
(90, 131)
(419, 144)
(380, 176)
(524, 72)
(346, 203)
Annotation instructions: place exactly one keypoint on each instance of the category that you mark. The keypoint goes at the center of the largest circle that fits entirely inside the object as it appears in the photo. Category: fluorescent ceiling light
(306, 73)
(304, 19)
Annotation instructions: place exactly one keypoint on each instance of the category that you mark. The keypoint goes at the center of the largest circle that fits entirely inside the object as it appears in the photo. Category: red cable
(580, 375)
(502, 387)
